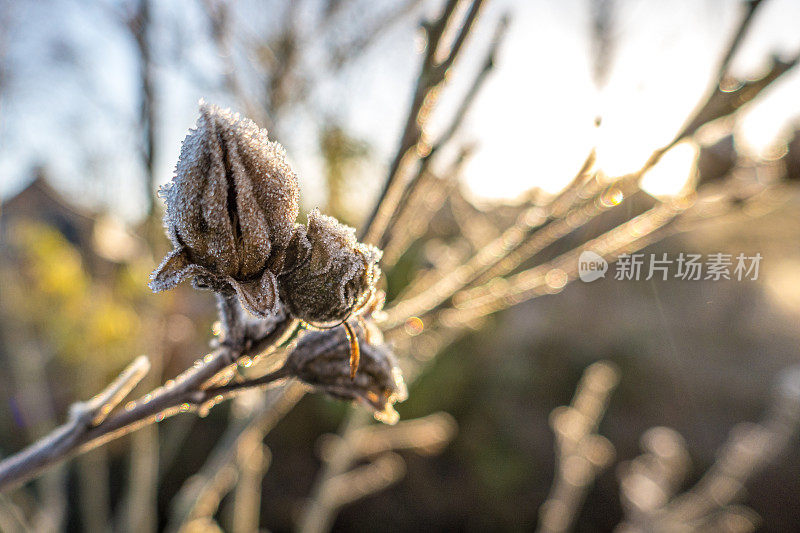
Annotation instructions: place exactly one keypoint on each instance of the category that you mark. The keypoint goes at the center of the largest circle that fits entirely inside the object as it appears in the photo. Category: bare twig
(140, 27)
(189, 391)
(118, 389)
(253, 460)
(197, 495)
(749, 8)
(64, 439)
(439, 57)
(581, 453)
(395, 243)
(552, 277)
(427, 197)
(339, 483)
(426, 434)
(347, 52)
(468, 292)
(583, 200)
(750, 447)
(724, 101)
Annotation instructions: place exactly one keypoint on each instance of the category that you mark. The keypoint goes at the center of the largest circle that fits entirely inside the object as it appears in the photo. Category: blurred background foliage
(696, 356)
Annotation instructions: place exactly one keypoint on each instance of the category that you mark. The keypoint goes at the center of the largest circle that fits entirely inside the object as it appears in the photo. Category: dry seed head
(322, 359)
(231, 211)
(333, 274)
(231, 208)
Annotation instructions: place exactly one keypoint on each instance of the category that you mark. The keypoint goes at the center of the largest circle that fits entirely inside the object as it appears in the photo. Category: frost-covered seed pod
(333, 274)
(231, 211)
(320, 359)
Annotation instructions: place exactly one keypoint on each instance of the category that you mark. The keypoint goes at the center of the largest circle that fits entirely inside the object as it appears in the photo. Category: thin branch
(64, 439)
(497, 250)
(426, 434)
(750, 447)
(429, 193)
(581, 454)
(525, 239)
(413, 143)
(321, 509)
(552, 277)
(197, 495)
(395, 243)
(536, 230)
(232, 325)
(723, 102)
(118, 389)
(587, 195)
(253, 459)
(140, 26)
(749, 8)
(79, 435)
(348, 52)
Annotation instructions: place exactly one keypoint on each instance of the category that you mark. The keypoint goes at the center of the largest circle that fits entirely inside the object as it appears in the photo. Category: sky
(534, 122)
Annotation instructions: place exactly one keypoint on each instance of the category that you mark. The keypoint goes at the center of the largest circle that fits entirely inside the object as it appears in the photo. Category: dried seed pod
(231, 210)
(321, 359)
(328, 274)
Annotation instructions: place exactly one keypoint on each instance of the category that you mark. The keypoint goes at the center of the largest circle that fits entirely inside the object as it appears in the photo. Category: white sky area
(533, 121)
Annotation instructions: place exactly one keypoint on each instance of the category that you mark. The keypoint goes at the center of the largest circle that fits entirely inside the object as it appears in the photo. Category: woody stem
(231, 319)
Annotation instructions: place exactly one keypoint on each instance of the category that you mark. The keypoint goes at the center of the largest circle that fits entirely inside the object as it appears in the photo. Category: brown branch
(198, 495)
(395, 244)
(429, 193)
(140, 27)
(749, 8)
(722, 101)
(413, 143)
(188, 391)
(581, 453)
(551, 277)
(750, 447)
(339, 483)
(523, 240)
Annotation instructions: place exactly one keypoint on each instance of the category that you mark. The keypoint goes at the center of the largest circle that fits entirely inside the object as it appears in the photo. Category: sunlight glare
(670, 175)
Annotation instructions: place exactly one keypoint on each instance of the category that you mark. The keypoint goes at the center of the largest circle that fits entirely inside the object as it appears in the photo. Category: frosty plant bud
(336, 275)
(231, 211)
(320, 360)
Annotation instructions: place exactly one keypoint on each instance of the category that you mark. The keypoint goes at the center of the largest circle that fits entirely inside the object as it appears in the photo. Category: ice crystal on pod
(320, 359)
